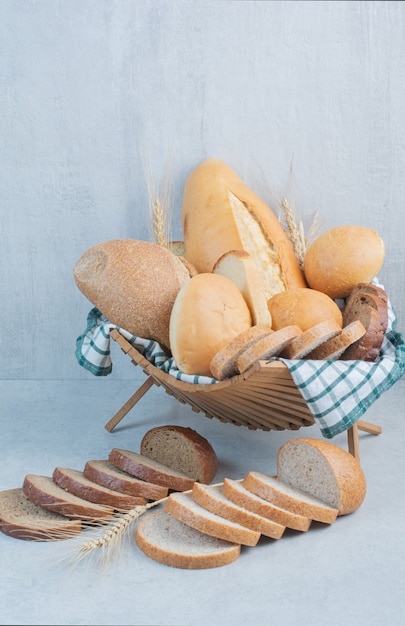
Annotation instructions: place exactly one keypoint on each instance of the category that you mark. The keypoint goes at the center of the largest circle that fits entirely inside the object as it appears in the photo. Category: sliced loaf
(324, 471)
(335, 347)
(235, 491)
(187, 510)
(23, 519)
(182, 449)
(368, 347)
(149, 470)
(76, 482)
(223, 365)
(212, 498)
(269, 346)
(44, 492)
(169, 541)
(310, 339)
(287, 497)
(108, 475)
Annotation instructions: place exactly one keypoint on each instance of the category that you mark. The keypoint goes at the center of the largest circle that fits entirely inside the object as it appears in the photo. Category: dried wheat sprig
(160, 208)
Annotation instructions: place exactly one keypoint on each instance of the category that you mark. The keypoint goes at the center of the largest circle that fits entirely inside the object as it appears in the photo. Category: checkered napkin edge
(337, 393)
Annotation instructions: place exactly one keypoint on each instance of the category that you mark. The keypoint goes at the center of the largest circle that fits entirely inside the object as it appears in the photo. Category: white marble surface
(351, 573)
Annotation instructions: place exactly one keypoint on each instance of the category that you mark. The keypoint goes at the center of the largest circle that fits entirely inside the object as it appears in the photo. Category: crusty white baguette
(241, 268)
(223, 365)
(134, 283)
(220, 213)
(208, 312)
(183, 449)
(322, 470)
(169, 541)
(23, 519)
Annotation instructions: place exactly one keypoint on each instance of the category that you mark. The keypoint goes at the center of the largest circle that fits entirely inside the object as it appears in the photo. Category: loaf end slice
(169, 541)
(23, 519)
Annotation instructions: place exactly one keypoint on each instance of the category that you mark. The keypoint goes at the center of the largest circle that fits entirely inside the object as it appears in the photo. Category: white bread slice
(241, 268)
(334, 347)
(108, 475)
(269, 346)
(169, 541)
(76, 482)
(44, 492)
(182, 449)
(223, 365)
(235, 491)
(310, 339)
(149, 470)
(212, 498)
(187, 510)
(21, 518)
(284, 495)
(323, 470)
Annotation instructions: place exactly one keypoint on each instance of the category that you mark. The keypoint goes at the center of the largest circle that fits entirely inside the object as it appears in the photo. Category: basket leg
(353, 435)
(129, 404)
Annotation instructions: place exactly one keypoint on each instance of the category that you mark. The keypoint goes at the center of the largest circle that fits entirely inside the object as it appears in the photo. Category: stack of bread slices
(171, 458)
(207, 527)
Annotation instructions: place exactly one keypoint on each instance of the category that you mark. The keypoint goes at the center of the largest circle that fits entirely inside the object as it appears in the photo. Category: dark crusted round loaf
(183, 449)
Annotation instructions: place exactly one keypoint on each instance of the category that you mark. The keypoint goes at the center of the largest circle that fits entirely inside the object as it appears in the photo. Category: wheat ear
(160, 208)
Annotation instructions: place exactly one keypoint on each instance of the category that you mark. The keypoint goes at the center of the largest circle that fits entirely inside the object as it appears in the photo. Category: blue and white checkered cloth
(337, 393)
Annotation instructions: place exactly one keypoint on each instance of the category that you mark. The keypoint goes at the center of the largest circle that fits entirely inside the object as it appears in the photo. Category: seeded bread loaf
(108, 475)
(44, 492)
(23, 519)
(182, 449)
(223, 365)
(289, 498)
(187, 510)
(235, 491)
(149, 470)
(169, 541)
(76, 482)
(324, 471)
(213, 499)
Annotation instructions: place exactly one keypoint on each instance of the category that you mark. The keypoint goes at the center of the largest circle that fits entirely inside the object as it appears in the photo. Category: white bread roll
(303, 307)
(240, 267)
(342, 257)
(220, 213)
(134, 283)
(208, 313)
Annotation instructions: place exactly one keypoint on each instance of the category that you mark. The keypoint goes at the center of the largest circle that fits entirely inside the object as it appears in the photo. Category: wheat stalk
(160, 207)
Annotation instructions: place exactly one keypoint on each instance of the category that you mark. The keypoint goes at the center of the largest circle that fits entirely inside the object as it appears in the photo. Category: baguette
(169, 541)
(182, 449)
(220, 213)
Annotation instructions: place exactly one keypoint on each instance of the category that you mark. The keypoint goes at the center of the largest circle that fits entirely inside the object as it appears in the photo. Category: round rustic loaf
(322, 470)
(303, 307)
(183, 449)
(208, 313)
(341, 257)
(134, 284)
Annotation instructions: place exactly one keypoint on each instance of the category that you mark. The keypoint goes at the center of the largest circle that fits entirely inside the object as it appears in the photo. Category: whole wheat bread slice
(336, 346)
(267, 347)
(310, 339)
(108, 475)
(223, 364)
(23, 519)
(169, 541)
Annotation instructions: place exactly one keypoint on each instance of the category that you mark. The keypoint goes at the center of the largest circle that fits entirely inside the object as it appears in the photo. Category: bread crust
(134, 284)
(204, 453)
(151, 471)
(344, 467)
(210, 228)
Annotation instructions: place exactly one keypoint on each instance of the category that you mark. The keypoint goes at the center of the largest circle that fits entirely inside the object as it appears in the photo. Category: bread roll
(303, 307)
(134, 283)
(220, 213)
(208, 313)
(342, 257)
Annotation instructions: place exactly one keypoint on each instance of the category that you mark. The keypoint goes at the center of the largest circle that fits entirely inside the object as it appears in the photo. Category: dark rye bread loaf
(367, 347)
(76, 482)
(21, 518)
(183, 449)
(108, 475)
